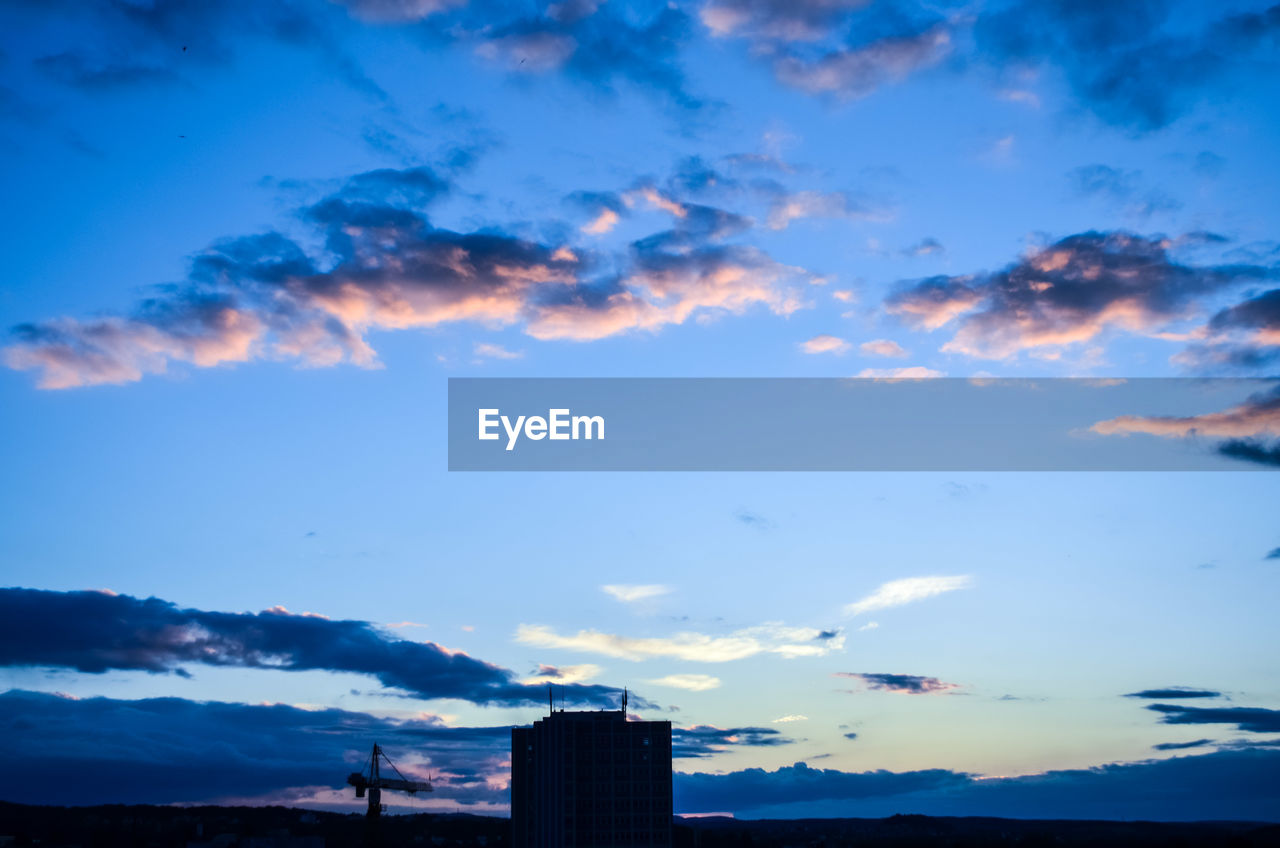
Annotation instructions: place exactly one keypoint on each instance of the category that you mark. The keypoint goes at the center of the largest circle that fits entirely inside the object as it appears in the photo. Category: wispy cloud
(690, 682)
(485, 350)
(787, 719)
(770, 638)
(908, 590)
(630, 593)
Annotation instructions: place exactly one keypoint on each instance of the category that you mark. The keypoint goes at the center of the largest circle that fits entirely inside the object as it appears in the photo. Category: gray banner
(643, 424)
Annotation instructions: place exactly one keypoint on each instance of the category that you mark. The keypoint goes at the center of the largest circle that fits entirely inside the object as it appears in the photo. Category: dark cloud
(1274, 554)
(170, 750)
(1174, 692)
(163, 42)
(387, 267)
(1069, 292)
(1178, 746)
(98, 632)
(850, 736)
(596, 44)
(1139, 65)
(592, 42)
(907, 684)
(1252, 450)
(705, 740)
(1252, 719)
(1236, 784)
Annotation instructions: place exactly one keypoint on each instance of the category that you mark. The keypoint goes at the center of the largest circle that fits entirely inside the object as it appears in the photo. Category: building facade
(591, 780)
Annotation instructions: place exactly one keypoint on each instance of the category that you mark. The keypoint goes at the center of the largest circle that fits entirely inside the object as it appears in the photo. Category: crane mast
(373, 783)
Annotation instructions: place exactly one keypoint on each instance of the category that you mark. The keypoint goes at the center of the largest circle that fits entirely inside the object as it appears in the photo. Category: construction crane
(374, 782)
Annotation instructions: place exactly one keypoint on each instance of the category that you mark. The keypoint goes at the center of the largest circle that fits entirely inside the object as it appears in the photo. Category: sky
(247, 243)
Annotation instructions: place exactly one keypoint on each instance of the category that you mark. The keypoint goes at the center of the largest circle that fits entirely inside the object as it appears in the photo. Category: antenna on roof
(551, 703)
(624, 702)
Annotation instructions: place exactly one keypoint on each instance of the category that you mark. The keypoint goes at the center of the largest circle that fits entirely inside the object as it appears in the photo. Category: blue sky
(247, 244)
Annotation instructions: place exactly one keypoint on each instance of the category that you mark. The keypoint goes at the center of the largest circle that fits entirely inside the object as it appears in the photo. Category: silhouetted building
(591, 780)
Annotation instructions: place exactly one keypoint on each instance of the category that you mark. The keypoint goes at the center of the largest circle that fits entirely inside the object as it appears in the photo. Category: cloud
(486, 350)
(397, 11)
(593, 43)
(1179, 746)
(825, 344)
(1273, 554)
(99, 632)
(689, 682)
(786, 207)
(753, 519)
(787, 719)
(882, 347)
(1067, 293)
(850, 72)
(1139, 67)
(705, 740)
(1258, 415)
(605, 208)
(907, 590)
(846, 49)
(1251, 450)
(630, 593)
(771, 638)
(1173, 693)
(1251, 719)
(906, 684)
(1245, 336)
(914, 372)
(589, 42)
(850, 736)
(385, 267)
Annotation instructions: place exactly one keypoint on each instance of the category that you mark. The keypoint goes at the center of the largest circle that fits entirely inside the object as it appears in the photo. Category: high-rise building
(591, 780)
